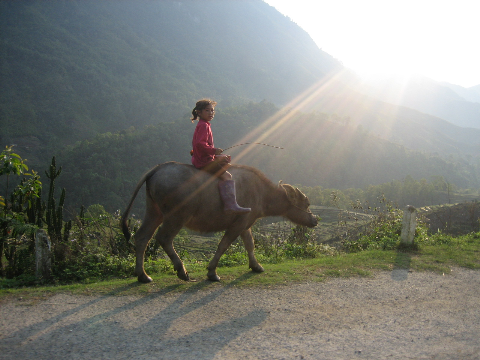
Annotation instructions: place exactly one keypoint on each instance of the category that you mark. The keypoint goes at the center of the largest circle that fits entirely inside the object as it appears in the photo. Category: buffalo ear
(302, 197)
(300, 194)
(290, 191)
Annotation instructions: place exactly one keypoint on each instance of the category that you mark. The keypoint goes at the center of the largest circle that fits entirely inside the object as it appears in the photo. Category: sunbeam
(274, 129)
(323, 131)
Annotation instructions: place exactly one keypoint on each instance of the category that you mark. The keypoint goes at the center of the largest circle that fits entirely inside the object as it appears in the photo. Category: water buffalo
(179, 195)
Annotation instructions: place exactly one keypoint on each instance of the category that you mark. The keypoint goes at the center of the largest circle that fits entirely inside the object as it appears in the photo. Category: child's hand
(224, 158)
(218, 151)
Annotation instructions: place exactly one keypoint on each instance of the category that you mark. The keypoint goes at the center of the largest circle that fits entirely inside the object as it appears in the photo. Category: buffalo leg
(227, 240)
(153, 218)
(164, 237)
(249, 244)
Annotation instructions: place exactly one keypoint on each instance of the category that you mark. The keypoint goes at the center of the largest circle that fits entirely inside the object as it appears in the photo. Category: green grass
(463, 251)
(438, 253)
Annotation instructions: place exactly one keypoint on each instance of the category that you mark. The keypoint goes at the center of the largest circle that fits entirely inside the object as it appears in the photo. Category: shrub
(381, 233)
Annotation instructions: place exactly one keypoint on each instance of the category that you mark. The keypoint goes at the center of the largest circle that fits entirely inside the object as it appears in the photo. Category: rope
(276, 147)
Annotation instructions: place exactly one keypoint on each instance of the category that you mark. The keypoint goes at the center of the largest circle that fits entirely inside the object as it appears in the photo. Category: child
(208, 158)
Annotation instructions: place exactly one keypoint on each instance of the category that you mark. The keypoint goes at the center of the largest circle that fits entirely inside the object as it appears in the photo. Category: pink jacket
(202, 143)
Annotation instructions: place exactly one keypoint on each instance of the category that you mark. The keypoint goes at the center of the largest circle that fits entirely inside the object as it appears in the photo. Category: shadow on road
(401, 266)
(93, 330)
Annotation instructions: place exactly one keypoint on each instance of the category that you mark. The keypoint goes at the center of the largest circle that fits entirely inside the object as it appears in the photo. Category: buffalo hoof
(183, 276)
(257, 268)
(145, 279)
(213, 277)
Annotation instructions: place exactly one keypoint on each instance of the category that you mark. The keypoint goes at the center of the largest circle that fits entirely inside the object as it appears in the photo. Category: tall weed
(382, 232)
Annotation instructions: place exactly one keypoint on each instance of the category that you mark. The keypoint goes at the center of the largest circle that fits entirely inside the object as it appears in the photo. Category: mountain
(453, 103)
(471, 94)
(73, 69)
(108, 87)
(398, 124)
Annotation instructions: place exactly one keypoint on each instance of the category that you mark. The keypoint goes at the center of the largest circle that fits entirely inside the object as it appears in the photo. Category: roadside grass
(439, 253)
(447, 251)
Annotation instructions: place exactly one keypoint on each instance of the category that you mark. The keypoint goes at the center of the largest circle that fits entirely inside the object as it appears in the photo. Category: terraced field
(333, 223)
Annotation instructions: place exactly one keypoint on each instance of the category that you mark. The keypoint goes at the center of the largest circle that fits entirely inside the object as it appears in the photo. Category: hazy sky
(439, 39)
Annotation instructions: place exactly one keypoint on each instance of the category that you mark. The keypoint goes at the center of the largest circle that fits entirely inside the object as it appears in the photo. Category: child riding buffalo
(210, 159)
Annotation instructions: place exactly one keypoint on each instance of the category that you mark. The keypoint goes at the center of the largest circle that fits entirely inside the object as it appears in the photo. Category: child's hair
(200, 105)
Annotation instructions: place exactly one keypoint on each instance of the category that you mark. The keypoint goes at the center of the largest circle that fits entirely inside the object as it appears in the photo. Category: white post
(409, 225)
(43, 256)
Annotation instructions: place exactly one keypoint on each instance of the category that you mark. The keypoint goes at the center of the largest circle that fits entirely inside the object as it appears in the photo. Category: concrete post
(43, 255)
(409, 223)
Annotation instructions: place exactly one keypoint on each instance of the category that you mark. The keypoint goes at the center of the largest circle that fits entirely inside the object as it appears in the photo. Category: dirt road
(393, 315)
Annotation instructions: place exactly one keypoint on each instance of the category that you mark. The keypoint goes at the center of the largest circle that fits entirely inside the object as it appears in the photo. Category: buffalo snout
(313, 221)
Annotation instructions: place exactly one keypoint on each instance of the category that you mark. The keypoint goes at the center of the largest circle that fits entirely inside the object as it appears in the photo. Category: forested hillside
(399, 124)
(107, 87)
(458, 105)
(73, 69)
(318, 150)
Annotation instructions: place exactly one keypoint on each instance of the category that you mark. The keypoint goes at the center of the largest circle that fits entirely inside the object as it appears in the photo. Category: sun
(394, 38)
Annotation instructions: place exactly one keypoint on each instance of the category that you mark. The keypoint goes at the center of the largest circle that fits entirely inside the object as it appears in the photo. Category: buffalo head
(298, 209)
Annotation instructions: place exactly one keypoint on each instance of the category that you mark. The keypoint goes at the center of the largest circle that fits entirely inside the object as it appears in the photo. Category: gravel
(392, 315)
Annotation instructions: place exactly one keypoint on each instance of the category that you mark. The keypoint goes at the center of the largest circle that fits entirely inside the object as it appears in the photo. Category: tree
(11, 163)
(19, 209)
(22, 212)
